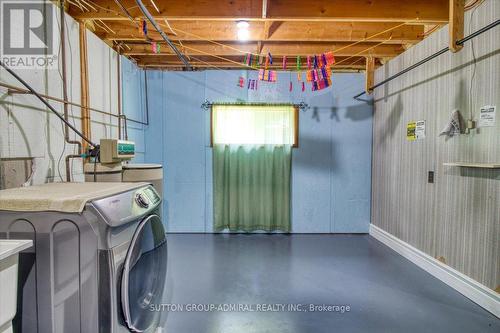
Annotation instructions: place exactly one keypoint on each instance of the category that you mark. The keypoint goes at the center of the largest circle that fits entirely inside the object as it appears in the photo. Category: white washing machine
(99, 258)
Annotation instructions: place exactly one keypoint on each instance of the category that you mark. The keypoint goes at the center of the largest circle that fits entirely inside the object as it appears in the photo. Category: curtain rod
(432, 56)
(207, 104)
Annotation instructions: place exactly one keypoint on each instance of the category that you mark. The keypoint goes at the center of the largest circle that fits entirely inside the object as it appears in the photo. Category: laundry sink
(9, 253)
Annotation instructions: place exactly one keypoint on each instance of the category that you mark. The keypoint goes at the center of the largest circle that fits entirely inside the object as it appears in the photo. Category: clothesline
(257, 54)
(179, 43)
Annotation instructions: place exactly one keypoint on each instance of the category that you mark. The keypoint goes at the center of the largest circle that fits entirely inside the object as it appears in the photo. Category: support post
(84, 84)
(369, 74)
(456, 24)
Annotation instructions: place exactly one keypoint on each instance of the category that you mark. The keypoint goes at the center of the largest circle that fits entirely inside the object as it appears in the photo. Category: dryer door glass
(144, 275)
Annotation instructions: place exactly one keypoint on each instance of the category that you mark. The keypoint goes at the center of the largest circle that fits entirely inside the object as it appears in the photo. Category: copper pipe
(17, 90)
(84, 85)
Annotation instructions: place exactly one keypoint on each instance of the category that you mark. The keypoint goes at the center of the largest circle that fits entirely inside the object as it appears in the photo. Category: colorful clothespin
(330, 58)
(324, 60)
(267, 75)
(303, 86)
(144, 28)
(270, 58)
(284, 62)
(241, 82)
(291, 86)
(247, 60)
(308, 62)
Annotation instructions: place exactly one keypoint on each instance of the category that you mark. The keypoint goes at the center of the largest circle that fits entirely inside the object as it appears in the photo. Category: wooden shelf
(474, 165)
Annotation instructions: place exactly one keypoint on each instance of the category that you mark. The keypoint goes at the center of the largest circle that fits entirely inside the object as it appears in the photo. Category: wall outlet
(430, 177)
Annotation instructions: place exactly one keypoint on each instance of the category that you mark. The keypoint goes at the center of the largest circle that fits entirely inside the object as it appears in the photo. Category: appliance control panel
(128, 206)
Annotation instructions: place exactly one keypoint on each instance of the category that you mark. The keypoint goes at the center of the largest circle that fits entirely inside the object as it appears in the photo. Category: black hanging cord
(432, 56)
(33, 91)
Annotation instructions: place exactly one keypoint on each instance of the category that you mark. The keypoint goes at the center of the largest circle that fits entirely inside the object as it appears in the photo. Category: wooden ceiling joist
(428, 11)
(288, 31)
(169, 61)
(277, 49)
(207, 30)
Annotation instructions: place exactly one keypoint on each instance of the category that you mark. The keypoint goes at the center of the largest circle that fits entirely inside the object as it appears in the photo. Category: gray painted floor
(385, 292)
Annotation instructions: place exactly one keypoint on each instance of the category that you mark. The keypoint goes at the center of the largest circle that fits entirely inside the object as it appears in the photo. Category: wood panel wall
(457, 218)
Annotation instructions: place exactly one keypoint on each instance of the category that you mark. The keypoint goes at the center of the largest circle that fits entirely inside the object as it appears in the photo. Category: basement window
(255, 125)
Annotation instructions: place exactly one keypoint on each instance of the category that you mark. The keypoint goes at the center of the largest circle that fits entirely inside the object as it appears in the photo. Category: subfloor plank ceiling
(206, 31)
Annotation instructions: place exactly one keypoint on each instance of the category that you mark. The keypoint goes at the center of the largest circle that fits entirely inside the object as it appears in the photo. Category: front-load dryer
(99, 258)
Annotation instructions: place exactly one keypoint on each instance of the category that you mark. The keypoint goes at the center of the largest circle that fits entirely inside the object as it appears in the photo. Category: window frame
(295, 123)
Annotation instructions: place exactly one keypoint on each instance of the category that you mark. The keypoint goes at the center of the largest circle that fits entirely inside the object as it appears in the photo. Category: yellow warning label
(410, 131)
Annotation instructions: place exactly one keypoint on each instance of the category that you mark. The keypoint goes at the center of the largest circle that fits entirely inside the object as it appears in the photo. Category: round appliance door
(144, 275)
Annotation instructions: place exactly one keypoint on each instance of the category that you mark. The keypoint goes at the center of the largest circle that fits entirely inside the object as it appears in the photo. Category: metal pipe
(17, 77)
(302, 105)
(125, 125)
(478, 32)
(17, 90)
(146, 96)
(125, 11)
(150, 18)
(119, 96)
(65, 93)
(432, 56)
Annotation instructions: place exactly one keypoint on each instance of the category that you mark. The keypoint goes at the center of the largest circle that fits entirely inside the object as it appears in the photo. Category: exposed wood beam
(270, 27)
(428, 11)
(264, 9)
(353, 63)
(277, 49)
(369, 74)
(435, 11)
(288, 31)
(259, 47)
(456, 25)
(354, 69)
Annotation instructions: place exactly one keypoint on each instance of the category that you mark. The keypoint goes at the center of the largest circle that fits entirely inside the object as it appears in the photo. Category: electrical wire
(104, 8)
(44, 101)
(245, 52)
(179, 43)
(362, 51)
(474, 62)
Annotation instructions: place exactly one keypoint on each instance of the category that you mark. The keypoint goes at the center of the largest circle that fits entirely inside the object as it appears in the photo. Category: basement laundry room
(249, 166)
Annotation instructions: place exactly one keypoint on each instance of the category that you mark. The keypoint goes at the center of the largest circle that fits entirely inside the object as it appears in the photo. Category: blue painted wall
(134, 104)
(331, 178)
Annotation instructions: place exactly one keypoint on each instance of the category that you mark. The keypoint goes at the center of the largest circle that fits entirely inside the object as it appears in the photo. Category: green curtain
(252, 187)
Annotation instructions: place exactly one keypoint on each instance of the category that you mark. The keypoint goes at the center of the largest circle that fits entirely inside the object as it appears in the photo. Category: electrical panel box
(113, 151)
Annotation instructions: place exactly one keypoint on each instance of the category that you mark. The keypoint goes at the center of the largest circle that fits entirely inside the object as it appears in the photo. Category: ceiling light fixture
(243, 33)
